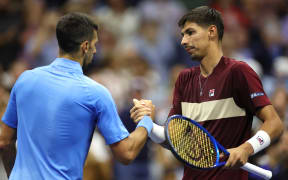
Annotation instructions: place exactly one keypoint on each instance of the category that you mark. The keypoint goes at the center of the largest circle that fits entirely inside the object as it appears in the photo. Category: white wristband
(259, 141)
(157, 134)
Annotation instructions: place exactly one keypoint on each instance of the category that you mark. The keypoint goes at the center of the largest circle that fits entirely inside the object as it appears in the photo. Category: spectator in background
(171, 10)
(280, 102)
(155, 46)
(12, 23)
(86, 6)
(10, 76)
(41, 48)
(116, 16)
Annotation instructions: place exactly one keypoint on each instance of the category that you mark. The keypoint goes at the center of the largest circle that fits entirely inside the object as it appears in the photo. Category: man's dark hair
(204, 16)
(73, 29)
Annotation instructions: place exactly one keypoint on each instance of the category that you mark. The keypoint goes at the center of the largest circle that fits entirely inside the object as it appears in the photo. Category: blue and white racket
(197, 148)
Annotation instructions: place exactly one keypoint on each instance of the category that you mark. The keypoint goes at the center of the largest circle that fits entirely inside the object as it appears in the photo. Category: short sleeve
(248, 90)
(10, 117)
(177, 97)
(108, 120)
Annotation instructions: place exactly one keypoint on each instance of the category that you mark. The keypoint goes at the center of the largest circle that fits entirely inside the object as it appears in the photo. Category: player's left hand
(239, 155)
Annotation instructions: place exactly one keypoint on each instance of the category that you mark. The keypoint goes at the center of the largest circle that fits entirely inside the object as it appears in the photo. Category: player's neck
(71, 57)
(210, 61)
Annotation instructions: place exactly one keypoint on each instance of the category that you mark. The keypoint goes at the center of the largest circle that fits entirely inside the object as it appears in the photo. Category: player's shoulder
(187, 72)
(236, 64)
(94, 86)
(33, 72)
(27, 74)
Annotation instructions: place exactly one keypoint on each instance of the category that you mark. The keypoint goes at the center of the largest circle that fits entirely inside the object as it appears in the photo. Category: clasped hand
(142, 108)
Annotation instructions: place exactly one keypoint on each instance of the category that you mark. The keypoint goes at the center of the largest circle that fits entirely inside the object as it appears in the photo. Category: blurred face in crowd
(89, 49)
(196, 39)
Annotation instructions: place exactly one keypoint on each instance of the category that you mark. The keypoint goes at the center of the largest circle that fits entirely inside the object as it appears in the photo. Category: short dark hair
(204, 16)
(72, 29)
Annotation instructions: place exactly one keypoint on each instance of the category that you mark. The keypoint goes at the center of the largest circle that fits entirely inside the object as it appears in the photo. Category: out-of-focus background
(139, 56)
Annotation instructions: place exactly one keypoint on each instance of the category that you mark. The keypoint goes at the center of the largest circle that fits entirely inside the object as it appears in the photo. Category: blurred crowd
(139, 56)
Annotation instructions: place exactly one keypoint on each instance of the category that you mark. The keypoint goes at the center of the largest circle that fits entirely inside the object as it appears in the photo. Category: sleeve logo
(253, 95)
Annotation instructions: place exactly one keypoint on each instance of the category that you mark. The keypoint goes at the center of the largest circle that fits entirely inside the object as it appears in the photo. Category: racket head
(191, 143)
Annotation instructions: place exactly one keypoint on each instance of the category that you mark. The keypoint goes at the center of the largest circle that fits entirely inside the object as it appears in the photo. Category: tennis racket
(197, 148)
(3, 175)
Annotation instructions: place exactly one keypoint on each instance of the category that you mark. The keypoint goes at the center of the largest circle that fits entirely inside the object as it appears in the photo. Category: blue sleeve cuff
(147, 123)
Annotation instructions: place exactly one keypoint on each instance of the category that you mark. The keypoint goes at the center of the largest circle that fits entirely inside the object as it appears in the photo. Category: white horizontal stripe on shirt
(212, 110)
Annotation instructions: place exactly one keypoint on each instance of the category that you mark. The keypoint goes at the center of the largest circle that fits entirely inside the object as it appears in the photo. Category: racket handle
(266, 174)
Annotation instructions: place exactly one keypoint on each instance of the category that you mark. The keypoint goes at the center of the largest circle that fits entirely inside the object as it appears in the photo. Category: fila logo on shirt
(211, 92)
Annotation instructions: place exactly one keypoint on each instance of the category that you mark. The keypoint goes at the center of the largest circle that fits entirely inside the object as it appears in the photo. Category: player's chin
(195, 57)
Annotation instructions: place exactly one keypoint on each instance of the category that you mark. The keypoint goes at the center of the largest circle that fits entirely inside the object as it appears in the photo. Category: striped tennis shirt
(230, 97)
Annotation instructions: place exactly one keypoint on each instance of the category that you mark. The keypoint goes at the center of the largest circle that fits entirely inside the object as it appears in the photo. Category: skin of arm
(126, 150)
(7, 146)
(272, 125)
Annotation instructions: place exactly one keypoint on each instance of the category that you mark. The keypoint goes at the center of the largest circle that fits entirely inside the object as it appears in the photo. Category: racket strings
(191, 143)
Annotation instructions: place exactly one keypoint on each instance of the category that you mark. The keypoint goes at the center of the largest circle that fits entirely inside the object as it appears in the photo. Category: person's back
(55, 121)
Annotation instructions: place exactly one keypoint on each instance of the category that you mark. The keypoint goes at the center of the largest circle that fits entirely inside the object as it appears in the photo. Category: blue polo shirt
(55, 109)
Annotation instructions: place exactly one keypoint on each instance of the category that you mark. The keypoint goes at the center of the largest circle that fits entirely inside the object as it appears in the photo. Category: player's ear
(85, 46)
(212, 32)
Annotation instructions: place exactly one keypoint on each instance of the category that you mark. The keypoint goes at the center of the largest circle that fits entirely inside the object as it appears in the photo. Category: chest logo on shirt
(211, 92)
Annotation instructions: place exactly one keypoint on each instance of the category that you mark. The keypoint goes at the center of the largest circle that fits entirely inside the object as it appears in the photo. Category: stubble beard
(196, 57)
(87, 58)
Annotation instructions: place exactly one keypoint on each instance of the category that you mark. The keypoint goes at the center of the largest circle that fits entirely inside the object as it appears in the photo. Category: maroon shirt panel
(246, 83)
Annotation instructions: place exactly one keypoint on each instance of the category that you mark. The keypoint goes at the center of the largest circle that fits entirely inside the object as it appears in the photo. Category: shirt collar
(67, 65)
(218, 67)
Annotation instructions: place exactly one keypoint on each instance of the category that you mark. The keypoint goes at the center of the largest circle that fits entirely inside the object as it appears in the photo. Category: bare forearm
(126, 150)
(270, 130)
(137, 140)
(272, 124)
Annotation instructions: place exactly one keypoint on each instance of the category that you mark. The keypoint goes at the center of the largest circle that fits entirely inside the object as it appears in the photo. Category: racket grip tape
(265, 174)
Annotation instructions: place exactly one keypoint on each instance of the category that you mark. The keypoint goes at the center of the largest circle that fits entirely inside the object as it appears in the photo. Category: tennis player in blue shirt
(54, 110)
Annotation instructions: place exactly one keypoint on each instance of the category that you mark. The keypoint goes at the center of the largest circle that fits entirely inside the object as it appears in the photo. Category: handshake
(144, 108)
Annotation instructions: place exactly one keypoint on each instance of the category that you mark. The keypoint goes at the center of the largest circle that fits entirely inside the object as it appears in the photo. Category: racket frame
(213, 140)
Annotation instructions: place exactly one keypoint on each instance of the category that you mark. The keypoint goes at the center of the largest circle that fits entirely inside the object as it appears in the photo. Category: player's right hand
(142, 108)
